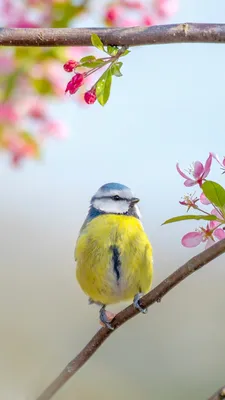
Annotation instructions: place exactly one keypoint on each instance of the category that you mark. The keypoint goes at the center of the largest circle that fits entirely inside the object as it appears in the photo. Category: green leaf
(43, 86)
(112, 50)
(214, 193)
(10, 84)
(125, 53)
(64, 12)
(87, 58)
(31, 141)
(185, 217)
(93, 64)
(103, 87)
(115, 69)
(96, 42)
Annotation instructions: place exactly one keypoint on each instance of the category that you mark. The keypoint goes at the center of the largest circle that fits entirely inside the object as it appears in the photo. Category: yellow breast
(114, 259)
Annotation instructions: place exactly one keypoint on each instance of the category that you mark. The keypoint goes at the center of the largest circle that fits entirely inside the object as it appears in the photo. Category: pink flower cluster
(213, 231)
(139, 13)
(77, 81)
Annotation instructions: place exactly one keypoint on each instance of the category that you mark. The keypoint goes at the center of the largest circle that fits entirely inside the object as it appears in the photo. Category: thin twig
(134, 36)
(155, 295)
(219, 395)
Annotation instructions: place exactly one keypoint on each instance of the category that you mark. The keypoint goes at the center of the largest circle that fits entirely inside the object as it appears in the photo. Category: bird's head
(115, 198)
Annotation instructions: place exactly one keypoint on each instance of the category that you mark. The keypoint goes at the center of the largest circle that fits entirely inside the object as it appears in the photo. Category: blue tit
(113, 253)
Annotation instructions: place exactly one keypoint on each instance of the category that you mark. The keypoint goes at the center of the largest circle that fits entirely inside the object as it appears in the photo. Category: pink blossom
(191, 239)
(204, 235)
(199, 172)
(189, 201)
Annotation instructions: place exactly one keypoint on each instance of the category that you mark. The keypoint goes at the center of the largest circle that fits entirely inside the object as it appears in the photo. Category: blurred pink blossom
(52, 70)
(7, 64)
(18, 148)
(55, 129)
(128, 13)
(8, 113)
(165, 8)
(37, 110)
(22, 22)
(132, 4)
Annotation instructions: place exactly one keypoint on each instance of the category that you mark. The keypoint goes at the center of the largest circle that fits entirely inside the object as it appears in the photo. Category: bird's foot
(106, 317)
(136, 303)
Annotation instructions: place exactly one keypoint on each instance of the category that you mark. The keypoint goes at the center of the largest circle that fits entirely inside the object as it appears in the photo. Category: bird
(113, 254)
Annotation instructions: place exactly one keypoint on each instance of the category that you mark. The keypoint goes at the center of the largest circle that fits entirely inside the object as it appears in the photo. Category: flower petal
(207, 166)
(191, 239)
(213, 224)
(198, 169)
(216, 157)
(216, 213)
(190, 182)
(209, 242)
(204, 200)
(181, 173)
(219, 233)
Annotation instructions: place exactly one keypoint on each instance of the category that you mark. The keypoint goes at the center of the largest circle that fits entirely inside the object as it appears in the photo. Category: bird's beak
(134, 200)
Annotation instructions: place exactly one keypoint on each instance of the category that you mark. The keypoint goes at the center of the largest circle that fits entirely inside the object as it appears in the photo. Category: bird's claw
(103, 318)
(136, 303)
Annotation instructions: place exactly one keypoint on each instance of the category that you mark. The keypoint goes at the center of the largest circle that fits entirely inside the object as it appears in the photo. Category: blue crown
(113, 186)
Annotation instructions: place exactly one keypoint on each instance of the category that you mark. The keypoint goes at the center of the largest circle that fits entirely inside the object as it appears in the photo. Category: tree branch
(150, 298)
(135, 36)
(219, 395)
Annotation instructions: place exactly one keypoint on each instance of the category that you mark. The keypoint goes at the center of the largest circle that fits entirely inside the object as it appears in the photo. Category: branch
(219, 395)
(135, 36)
(150, 298)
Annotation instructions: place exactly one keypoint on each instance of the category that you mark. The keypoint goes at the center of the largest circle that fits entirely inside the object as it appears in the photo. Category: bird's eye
(116, 197)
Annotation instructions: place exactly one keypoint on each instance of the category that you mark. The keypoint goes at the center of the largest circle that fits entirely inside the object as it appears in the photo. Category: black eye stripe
(112, 198)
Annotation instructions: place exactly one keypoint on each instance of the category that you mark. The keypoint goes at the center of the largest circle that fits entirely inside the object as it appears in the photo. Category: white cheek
(111, 206)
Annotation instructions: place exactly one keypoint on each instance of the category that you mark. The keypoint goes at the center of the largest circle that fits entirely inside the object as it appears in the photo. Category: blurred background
(167, 107)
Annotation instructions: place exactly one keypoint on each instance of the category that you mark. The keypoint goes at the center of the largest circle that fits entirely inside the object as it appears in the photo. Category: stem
(134, 36)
